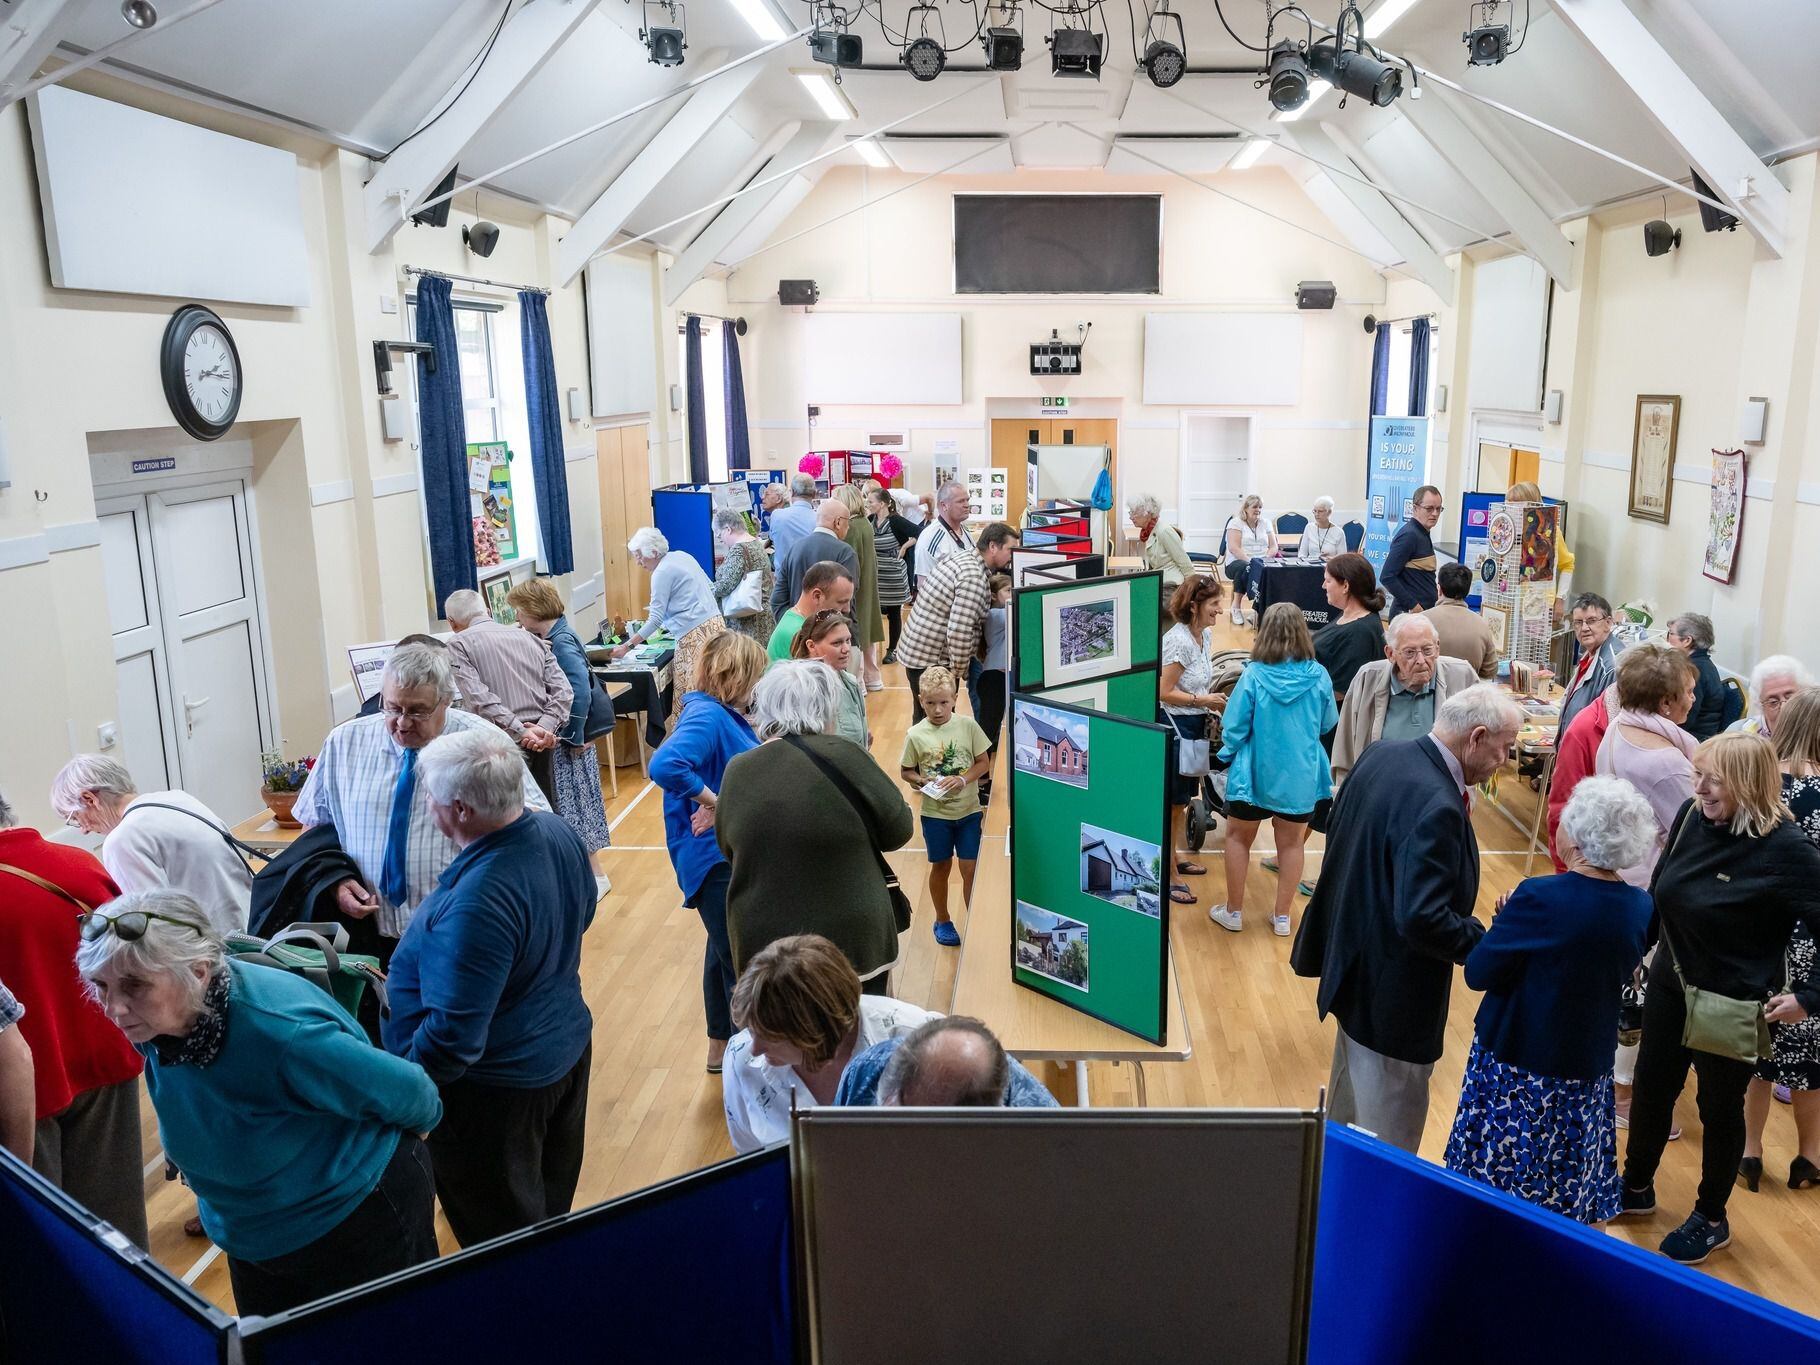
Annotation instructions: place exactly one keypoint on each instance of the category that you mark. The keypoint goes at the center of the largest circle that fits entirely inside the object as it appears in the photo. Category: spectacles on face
(1415, 652)
(1430, 509)
(410, 714)
(129, 927)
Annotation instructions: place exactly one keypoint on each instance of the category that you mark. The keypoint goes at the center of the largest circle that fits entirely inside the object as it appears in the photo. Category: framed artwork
(1537, 564)
(1652, 456)
(1725, 521)
(493, 591)
(1087, 632)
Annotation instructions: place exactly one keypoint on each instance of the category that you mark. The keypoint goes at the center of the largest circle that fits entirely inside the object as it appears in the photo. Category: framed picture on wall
(493, 591)
(1652, 456)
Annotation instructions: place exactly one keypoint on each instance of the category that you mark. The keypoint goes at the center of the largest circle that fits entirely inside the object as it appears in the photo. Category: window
(479, 383)
(714, 393)
(1396, 396)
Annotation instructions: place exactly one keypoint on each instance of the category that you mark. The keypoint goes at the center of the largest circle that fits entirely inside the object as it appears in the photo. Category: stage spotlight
(1487, 42)
(665, 43)
(836, 48)
(924, 59)
(1357, 73)
(1004, 49)
(1288, 77)
(1076, 52)
(1166, 62)
(138, 13)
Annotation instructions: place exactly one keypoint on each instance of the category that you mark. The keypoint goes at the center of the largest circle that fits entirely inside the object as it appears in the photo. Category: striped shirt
(510, 677)
(11, 1011)
(351, 788)
(949, 619)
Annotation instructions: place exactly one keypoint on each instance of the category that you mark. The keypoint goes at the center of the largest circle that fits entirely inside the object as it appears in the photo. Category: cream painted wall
(1218, 254)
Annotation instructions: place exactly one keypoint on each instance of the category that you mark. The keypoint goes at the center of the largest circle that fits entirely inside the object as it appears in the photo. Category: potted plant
(282, 779)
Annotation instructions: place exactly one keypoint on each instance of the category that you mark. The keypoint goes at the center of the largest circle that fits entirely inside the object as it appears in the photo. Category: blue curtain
(1380, 370)
(547, 464)
(1418, 367)
(445, 444)
(739, 437)
(698, 415)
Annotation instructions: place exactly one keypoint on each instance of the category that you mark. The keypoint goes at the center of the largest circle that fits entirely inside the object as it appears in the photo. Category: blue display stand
(686, 517)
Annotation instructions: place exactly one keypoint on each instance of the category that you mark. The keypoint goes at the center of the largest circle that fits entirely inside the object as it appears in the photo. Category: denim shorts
(946, 838)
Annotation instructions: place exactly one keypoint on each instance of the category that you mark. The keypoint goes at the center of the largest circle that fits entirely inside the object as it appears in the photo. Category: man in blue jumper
(1409, 566)
(486, 992)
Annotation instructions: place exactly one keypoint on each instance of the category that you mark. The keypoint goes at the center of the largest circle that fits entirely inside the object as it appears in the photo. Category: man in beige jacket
(1397, 697)
(1464, 633)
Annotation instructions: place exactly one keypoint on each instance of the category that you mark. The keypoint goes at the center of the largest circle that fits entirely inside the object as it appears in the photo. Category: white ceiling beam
(1421, 260)
(1677, 106)
(661, 155)
(1474, 163)
(805, 142)
(406, 178)
(30, 33)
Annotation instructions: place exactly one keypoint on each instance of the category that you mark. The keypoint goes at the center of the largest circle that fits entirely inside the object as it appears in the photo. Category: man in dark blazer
(1393, 911)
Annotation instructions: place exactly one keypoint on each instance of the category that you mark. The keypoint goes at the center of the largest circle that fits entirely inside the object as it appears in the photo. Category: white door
(1215, 474)
(188, 642)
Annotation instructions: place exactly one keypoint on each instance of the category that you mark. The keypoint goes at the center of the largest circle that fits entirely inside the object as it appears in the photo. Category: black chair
(1354, 532)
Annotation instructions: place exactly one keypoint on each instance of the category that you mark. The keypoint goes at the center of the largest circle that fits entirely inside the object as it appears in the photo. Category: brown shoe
(192, 1227)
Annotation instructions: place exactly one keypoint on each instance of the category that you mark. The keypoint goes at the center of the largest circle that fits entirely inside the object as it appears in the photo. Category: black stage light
(1004, 49)
(1488, 44)
(1288, 77)
(665, 46)
(924, 58)
(836, 48)
(1660, 237)
(1357, 73)
(1166, 62)
(1076, 52)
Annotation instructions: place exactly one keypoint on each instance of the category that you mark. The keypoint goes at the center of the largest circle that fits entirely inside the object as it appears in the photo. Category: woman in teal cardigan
(302, 1141)
(1271, 738)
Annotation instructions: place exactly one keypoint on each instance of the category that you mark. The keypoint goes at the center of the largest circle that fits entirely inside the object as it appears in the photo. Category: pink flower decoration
(890, 466)
(812, 465)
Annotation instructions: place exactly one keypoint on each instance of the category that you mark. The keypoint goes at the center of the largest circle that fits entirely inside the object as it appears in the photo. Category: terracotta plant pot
(279, 804)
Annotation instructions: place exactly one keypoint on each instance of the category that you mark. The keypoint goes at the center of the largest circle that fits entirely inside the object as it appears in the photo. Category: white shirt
(757, 1094)
(936, 544)
(1253, 544)
(1196, 659)
(351, 788)
(1317, 545)
(152, 849)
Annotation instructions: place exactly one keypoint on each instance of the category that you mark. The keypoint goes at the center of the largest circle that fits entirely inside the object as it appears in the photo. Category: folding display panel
(1089, 861)
(1096, 639)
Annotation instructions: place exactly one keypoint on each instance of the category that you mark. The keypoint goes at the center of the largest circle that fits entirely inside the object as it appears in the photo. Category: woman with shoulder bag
(1189, 706)
(1737, 877)
(746, 608)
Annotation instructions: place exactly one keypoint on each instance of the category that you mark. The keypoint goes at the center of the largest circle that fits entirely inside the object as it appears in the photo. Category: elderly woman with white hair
(166, 840)
(811, 861)
(1162, 545)
(682, 603)
(1321, 540)
(302, 1141)
(1537, 1115)
(745, 555)
(1773, 681)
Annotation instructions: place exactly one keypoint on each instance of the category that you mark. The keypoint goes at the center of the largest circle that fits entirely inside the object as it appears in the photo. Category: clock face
(209, 376)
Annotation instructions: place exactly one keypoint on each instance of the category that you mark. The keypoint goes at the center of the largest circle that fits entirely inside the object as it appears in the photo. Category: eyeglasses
(129, 927)
(1419, 652)
(411, 713)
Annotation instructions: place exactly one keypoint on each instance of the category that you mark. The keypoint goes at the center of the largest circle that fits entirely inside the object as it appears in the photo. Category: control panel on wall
(1056, 358)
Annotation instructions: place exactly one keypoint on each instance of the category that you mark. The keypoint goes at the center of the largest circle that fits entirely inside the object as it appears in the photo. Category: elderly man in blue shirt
(948, 1061)
(486, 993)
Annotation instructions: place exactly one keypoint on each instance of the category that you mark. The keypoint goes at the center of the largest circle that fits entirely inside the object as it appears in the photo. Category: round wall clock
(201, 372)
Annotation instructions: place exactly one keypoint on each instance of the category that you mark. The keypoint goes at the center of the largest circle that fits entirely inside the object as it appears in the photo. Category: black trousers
(876, 985)
(392, 1229)
(1661, 1073)
(993, 683)
(542, 763)
(914, 676)
(894, 626)
(717, 975)
(508, 1158)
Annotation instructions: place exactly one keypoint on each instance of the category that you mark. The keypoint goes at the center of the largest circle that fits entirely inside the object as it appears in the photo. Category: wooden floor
(655, 1113)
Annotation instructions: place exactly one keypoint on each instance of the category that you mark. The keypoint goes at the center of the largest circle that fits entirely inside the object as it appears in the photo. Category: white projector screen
(135, 203)
(1222, 359)
(622, 325)
(886, 359)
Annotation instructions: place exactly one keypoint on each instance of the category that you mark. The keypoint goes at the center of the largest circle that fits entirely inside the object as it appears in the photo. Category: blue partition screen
(1413, 1263)
(698, 1268)
(686, 517)
(65, 1294)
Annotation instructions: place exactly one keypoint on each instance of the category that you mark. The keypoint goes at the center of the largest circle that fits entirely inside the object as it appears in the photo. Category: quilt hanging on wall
(1725, 522)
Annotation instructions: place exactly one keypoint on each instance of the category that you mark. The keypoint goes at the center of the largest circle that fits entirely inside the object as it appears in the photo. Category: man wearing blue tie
(365, 784)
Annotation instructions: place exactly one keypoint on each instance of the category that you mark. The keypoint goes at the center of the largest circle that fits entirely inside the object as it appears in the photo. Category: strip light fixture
(870, 152)
(828, 96)
(1376, 22)
(1249, 154)
(763, 20)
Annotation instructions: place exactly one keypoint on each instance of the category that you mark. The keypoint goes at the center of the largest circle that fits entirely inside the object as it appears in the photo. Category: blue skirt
(1550, 1141)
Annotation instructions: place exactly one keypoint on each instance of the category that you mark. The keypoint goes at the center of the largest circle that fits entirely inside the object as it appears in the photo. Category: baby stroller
(1211, 801)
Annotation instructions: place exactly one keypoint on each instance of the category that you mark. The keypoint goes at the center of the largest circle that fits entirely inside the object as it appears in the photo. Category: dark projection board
(1058, 243)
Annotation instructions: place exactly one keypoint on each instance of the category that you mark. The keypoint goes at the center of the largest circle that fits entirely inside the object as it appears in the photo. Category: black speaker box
(1315, 294)
(798, 293)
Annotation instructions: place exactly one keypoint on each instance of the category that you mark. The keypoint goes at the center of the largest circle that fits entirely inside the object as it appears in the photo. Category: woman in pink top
(1646, 746)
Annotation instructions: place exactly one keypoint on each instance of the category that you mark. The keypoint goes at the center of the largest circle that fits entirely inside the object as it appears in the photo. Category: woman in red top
(86, 1074)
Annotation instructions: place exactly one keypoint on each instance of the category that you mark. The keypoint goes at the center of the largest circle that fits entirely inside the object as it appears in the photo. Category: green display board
(1091, 642)
(1090, 861)
(490, 502)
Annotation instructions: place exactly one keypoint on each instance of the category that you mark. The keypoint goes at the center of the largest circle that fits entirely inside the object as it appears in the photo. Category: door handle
(190, 708)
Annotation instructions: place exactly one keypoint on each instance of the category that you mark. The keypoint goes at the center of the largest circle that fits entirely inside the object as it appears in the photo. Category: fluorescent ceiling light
(1249, 154)
(1317, 91)
(763, 20)
(1376, 22)
(870, 152)
(827, 95)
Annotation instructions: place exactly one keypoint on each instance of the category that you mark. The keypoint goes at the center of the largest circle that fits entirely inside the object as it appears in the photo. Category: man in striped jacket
(949, 620)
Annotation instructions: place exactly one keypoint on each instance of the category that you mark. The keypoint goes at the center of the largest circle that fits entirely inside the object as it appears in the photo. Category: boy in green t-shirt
(944, 758)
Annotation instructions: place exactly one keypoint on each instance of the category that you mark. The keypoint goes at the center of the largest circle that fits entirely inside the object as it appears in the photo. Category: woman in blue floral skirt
(1536, 1116)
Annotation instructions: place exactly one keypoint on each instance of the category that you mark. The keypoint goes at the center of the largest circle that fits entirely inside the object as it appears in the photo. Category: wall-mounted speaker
(798, 293)
(1315, 294)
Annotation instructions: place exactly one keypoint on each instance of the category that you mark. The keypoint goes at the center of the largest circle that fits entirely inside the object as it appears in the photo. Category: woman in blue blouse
(1537, 1114)
(574, 768)
(682, 602)
(302, 1141)
(710, 732)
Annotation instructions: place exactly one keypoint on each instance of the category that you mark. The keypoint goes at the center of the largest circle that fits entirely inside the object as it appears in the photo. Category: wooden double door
(625, 505)
(1011, 436)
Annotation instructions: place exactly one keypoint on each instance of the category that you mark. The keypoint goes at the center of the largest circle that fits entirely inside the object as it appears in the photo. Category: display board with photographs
(1089, 851)
(1101, 631)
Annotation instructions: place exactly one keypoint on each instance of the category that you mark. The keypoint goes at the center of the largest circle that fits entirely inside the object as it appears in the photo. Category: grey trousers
(1378, 1093)
(92, 1152)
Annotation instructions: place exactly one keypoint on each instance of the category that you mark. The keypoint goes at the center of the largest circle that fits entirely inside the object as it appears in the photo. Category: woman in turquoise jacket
(1271, 738)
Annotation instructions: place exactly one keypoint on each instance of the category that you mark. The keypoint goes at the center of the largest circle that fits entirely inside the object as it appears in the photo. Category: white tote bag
(746, 599)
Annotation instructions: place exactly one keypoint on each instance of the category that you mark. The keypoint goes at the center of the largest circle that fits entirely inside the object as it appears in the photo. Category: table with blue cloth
(1302, 584)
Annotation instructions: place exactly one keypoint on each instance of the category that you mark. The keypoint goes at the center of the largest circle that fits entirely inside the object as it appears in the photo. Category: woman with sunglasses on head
(827, 637)
(302, 1141)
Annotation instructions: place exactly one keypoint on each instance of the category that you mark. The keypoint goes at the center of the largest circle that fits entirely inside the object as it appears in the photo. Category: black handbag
(900, 903)
(600, 718)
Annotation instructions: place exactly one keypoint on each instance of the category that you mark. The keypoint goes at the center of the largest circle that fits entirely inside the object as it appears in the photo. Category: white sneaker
(602, 884)
(1226, 919)
(1279, 925)
(1238, 616)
